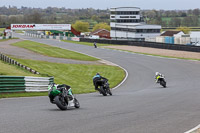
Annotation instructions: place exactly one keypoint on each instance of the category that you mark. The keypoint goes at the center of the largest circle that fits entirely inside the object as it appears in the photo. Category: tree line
(165, 18)
(173, 18)
(50, 15)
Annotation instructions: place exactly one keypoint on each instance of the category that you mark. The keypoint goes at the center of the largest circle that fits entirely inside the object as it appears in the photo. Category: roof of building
(123, 7)
(97, 31)
(170, 33)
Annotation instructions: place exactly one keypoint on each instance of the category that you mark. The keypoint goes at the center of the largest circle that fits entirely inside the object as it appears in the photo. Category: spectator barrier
(24, 84)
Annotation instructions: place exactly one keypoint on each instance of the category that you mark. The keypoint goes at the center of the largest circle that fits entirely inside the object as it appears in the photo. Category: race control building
(128, 23)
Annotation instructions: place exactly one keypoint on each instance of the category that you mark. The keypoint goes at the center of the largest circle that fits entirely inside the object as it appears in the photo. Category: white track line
(193, 129)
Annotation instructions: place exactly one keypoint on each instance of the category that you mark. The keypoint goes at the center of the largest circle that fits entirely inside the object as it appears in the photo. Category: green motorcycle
(59, 95)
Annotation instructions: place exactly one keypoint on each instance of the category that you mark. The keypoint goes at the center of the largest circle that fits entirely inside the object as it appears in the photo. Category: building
(195, 38)
(102, 33)
(128, 23)
(172, 33)
(174, 37)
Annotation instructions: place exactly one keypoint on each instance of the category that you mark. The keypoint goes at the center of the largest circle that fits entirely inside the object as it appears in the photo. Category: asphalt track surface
(137, 106)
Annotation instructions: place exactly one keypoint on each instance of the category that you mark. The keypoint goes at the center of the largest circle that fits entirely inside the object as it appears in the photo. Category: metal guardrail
(13, 62)
(22, 84)
(35, 84)
(12, 84)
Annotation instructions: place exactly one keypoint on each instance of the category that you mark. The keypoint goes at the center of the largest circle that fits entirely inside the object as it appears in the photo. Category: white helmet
(157, 73)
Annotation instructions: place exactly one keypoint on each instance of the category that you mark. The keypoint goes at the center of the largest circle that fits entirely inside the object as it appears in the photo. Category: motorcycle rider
(67, 87)
(157, 74)
(97, 79)
(69, 90)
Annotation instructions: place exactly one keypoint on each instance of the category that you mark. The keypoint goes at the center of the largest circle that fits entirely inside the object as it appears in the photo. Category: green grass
(3, 40)
(16, 71)
(78, 76)
(2, 29)
(23, 94)
(53, 51)
(87, 43)
(11, 70)
(166, 19)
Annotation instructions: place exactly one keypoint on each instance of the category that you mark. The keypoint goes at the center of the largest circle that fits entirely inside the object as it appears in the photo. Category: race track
(137, 106)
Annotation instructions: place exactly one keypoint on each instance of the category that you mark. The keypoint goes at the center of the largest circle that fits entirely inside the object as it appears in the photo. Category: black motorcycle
(162, 81)
(104, 87)
(60, 97)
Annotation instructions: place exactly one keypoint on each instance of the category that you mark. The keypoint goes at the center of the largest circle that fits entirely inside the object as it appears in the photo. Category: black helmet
(97, 74)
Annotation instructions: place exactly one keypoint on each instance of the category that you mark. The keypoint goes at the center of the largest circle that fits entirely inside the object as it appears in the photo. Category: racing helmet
(97, 74)
(157, 73)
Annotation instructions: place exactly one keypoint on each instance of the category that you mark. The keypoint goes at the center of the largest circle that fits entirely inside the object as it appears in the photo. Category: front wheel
(76, 103)
(102, 91)
(109, 91)
(60, 102)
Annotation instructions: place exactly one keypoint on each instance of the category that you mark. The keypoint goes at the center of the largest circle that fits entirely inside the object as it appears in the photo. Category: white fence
(37, 84)
(53, 37)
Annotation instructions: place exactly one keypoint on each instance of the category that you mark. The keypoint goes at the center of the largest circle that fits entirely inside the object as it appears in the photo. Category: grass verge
(11, 70)
(3, 40)
(23, 94)
(53, 51)
(78, 76)
(2, 29)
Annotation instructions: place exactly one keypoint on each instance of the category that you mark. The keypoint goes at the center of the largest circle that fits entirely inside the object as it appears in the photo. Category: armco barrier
(37, 83)
(12, 84)
(145, 44)
(13, 62)
(22, 84)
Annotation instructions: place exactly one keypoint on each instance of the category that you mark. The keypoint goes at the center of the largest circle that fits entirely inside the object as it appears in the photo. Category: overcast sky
(104, 4)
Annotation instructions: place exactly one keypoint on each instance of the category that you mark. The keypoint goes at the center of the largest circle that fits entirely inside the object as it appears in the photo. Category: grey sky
(104, 4)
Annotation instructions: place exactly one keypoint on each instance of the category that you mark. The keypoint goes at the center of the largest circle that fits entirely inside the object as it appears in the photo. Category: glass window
(113, 12)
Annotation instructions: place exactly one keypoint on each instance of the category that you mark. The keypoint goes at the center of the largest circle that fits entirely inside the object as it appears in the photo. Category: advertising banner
(41, 27)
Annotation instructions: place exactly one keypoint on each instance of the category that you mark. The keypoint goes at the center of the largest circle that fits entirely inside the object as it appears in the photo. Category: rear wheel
(163, 83)
(60, 102)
